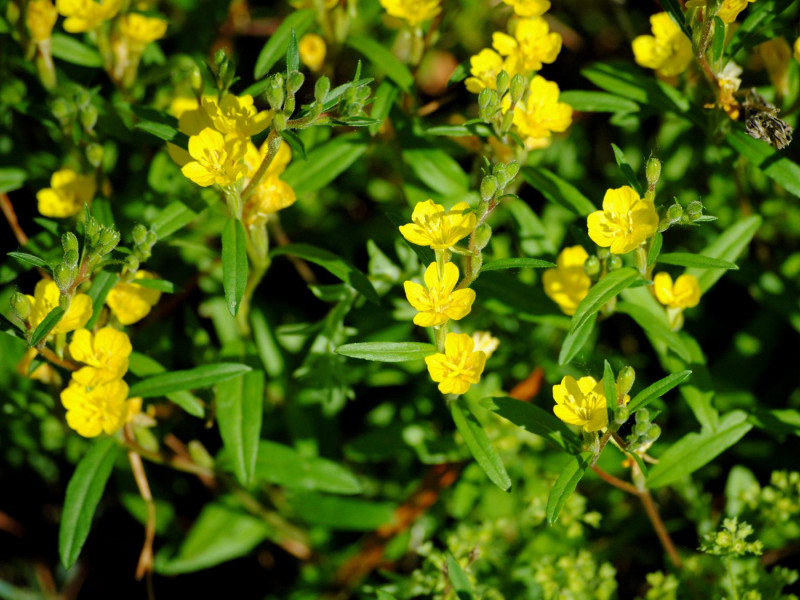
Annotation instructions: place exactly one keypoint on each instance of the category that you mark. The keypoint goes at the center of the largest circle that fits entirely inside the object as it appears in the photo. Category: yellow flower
(192, 119)
(85, 15)
(668, 50)
(484, 66)
(412, 12)
(776, 55)
(730, 9)
(312, 50)
(95, 404)
(299, 4)
(130, 302)
(542, 113)
(532, 45)
(107, 351)
(625, 222)
(439, 302)
(433, 226)
(66, 195)
(46, 297)
(568, 283)
(485, 342)
(581, 403)
(685, 293)
(272, 194)
(216, 159)
(44, 372)
(236, 115)
(459, 366)
(139, 30)
(529, 8)
(40, 18)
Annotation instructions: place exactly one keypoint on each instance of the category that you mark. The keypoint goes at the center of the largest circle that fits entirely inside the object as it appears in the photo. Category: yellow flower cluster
(96, 398)
(438, 301)
(67, 194)
(568, 283)
(85, 15)
(668, 50)
(139, 30)
(46, 297)
(413, 12)
(131, 302)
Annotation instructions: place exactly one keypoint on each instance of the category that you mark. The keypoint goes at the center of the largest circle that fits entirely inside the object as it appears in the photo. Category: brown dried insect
(762, 121)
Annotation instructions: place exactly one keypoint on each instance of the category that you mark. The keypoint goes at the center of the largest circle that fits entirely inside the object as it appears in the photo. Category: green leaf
(575, 340)
(535, 419)
(341, 513)
(282, 465)
(325, 163)
(572, 472)
(68, 48)
(190, 379)
(143, 366)
(757, 27)
(219, 534)
(472, 129)
(161, 285)
(438, 170)
(687, 259)
(516, 263)
(334, 264)
(84, 491)
(6, 324)
(164, 131)
(268, 349)
(558, 190)
(728, 246)
(774, 164)
(655, 249)
(174, 217)
(458, 578)
(601, 292)
(234, 264)
(295, 143)
(479, 445)
(695, 450)
(627, 170)
(718, 45)
(292, 54)
(29, 259)
(657, 328)
(591, 101)
(102, 283)
(658, 389)
(627, 81)
(460, 73)
(673, 9)
(240, 404)
(609, 386)
(278, 43)
(11, 178)
(382, 104)
(384, 60)
(47, 324)
(387, 351)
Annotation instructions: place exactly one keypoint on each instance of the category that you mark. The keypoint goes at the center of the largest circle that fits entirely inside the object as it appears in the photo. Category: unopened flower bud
(109, 238)
(61, 109)
(621, 414)
(321, 88)
(274, 92)
(674, 212)
(653, 433)
(71, 258)
(642, 416)
(488, 188)
(592, 266)
(200, 455)
(517, 88)
(94, 154)
(502, 82)
(486, 97)
(483, 233)
(279, 121)
(289, 104)
(69, 241)
(603, 253)
(89, 117)
(694, 210)
(196, 81)
(640, 429)
(512, 169)
(82, 99)
(63, 276)
(652, 171)
(132, 263)
(294, 82)
(139, 234)
(220, 57)
(20, 305)
(152, 238)
(625, 381)
(92, 231)
(613, 262)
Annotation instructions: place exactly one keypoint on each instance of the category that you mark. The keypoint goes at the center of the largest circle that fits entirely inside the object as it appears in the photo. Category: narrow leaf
(609, 386)
(655, 327)
(655, 249)
(572, 472)
(458, 578)
(479, 445)
(535, 419)
(174, 217)
(282, 465)
(558, 190)
(325, 163)
(69, 49)
(600, 293)
(47, 324)
(627, 170)
(165, 383)
(592, 101)
(30, 259)
(298, 22)
(157, 284)
(292, 54)
(239, 413)
(11, 178)
(102, 283)
(234, 264)
(384, 60)
(718, 45)
(673, 9)
(517, 263)
(773, 163)
(658, 389)
(575, 340)
(387, 351)
(341, 513)
(687, 259)
(382, 103)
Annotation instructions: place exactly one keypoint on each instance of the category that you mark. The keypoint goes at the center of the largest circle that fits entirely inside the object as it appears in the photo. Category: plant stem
(729, 567)
(273, 145)
(145, 564)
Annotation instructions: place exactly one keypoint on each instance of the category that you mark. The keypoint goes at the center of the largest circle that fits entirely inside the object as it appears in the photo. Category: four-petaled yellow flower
(130, 302)
(46, 297)
(41, 16)
(95, 404)
(236, 115)
(484, 67)
(730, 9)
(312, 49)
(85, 15)
(529, 8)
(542, 113)
(108, 351)
(568, 283)
(433, 226)
(684, 293)
(532, 45)
(217, 159)
(581, 403)
(439, 303)
(413, 12)
(625, 222)
(139, 30)
(459, 367)
(67, 194)
(668, 50)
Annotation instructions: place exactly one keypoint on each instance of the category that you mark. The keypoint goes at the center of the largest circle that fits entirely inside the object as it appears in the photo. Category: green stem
(273, 145)
(729, 566)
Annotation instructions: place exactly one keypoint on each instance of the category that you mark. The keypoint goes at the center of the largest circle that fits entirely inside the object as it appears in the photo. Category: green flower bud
(279, 121)
(613, 262)
(61, 109)
(625, 381)
(69, 242)
(512, 169)
(483, 233)
(488, 188)
(621, 414)
(502, 82)
(94, 154)
(64, 300)
(139, 234)
(275, 94)
(152, 238)
(321, 88)
(82, 99)
(694, 210)
(674, 212)
(132, 263)
(20, 305)
(640, 429)
(71, 258)
(653, 433)
(486, 98)
(89, 118)
(642, 416)
(196, 80)
(92, 231)
(603, 253)
(517, 88)
(220, 57)
(592, 267)
(109, 238)
(289, 104)
(63, 276)
(652, 171)
(294, 82)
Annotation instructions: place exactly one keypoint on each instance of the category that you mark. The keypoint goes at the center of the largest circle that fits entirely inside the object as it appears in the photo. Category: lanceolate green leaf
(627, 170)
(165, 383)
(83, 495)
(102, 283)
(438, 170)
(609, 387)
(384, 60)
(458, 578)
(695, 450)
(174, 217)
(479, 445)
(572, 472)
(687, 259)
(673, 9)
(627, 81)
(68, 48)
(278, 42)
(282, 465)
(11, 178)
(387, 351)
(143, 366)
(591, 101)
(659, 330)
(384, 98)
(325, 163)
(603, 291)
(239, 412)
(535, 419)
(558, 190)
(575, 340)
(658, 389)
(774, 164)
(29, 259)
(517, 263)
(234, 263)
(47, 324)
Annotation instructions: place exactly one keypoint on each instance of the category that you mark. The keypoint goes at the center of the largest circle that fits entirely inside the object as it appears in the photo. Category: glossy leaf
(575, 340)
(601, 292)
(29, 259)
(341, 513)
(240, 403)
(325, 163)
(383, 59)
(190, 379)
(572, 472)
(655, 327)
(143, 366)
(558, 190)
(11, 178)
(459, 579)
(530, 417)
(627, 170)
(658, 389)
(47, 324)
(479, 445)
(516, 263)
(298, 22)
(591, 101)
(387, 351)
(70, 49)
(234, 263)
(283, 465)
(698, 261)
